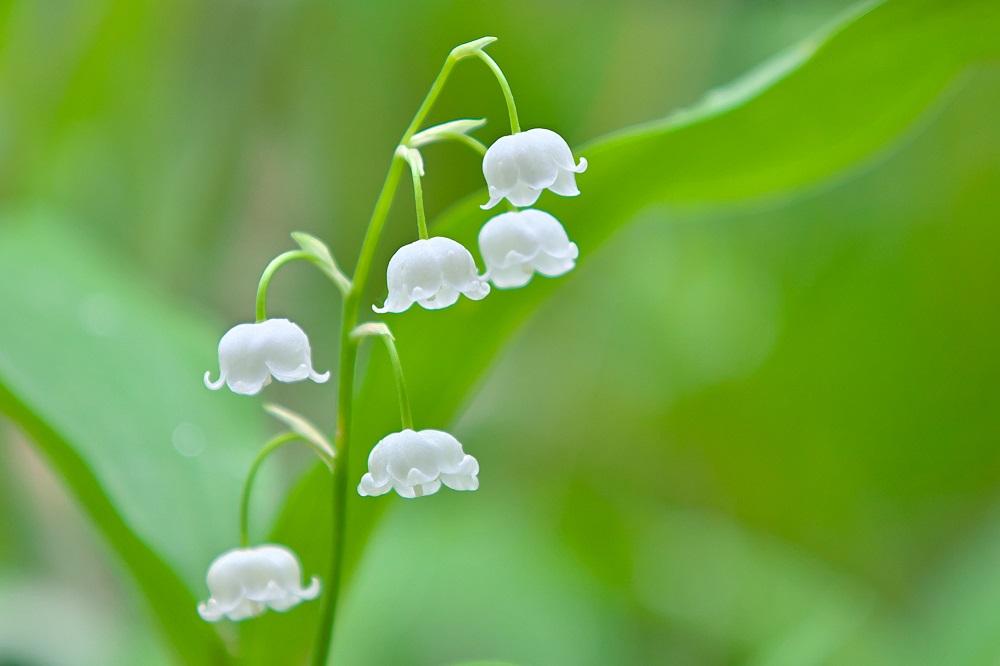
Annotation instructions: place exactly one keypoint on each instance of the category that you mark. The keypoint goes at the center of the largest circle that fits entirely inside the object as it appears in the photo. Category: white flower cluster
(431, 272)
(515, 245)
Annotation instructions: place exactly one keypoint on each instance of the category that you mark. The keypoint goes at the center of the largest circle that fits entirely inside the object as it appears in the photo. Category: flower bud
(250, 354)
(520, 166)
(245, 582)
(416, 463)
(519, 244)
(431, 272)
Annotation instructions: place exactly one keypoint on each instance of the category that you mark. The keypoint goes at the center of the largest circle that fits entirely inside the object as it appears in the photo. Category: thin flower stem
(265, 278)
(329, 269)
(469, 141)
(382, 331)
(418, 198)
(266, 450)
(515, 126)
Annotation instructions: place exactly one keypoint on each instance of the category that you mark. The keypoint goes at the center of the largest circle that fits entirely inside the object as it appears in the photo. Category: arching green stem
(269, 448)
(418, 198)
(515, 126)
(469, 141)
(265, 278)
(381, 330)
(325, 264)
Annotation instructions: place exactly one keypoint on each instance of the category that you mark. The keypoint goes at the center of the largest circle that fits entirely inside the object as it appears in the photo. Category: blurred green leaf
(822, 107)
(104, 374)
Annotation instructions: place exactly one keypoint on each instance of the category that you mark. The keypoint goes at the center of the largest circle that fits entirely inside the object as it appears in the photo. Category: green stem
(469, 141)
(405, 415)
(265, 278)
(382, 331)
(264, 452)
(418, 198)
(345, 406)
(515, 126)
(349, 348)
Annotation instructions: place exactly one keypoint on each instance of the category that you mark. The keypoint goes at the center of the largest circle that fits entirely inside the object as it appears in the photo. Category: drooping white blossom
(521, 165)
(251, 354)
(518, 244)
(245, 582)
(431, 272)
(416, 463)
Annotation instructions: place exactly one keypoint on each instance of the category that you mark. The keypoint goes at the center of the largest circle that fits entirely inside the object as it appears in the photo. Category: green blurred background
(758, 432)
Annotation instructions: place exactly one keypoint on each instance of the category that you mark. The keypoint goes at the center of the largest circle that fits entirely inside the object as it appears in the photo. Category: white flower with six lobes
(520, 166)
(245, 582)
(431, 272)
(415, 464)
(518, 244)
(250, 354)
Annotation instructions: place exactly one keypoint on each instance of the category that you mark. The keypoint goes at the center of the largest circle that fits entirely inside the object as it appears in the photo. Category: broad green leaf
(104, 374)
(824, 106)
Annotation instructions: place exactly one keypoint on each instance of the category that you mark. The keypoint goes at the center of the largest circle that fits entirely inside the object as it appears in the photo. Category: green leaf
(304, 428)
(454, 130)
(104, 375)
(826, 105)
(322, 258)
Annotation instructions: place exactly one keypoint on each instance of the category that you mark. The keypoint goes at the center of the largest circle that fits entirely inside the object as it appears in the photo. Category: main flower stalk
(345, 405)
(349, 320)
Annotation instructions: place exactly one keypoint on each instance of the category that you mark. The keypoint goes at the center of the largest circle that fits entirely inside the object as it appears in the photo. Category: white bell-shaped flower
(518, 244)
(431, 272)
(250, 354)
(245, 582)
(521, 165)
(416, 463)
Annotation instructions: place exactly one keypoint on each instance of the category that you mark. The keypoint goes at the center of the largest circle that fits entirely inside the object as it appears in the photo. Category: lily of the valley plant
(432, 272)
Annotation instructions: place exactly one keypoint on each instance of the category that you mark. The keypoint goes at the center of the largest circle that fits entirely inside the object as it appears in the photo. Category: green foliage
(159, 468)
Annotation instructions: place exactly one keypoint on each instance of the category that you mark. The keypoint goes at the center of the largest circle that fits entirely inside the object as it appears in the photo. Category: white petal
(554, 147)
(512, 277)
(445, 297)
(478, 290)
(496, 196)
(460, 481)
(216, 385)
(368, 487)
(311, 592)
(536, 164)
(250, 386)
(550, 266)
(523, 195)
(429, 488)
(506, 239)
(209, 611)
(500, 164)
(565, 184)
